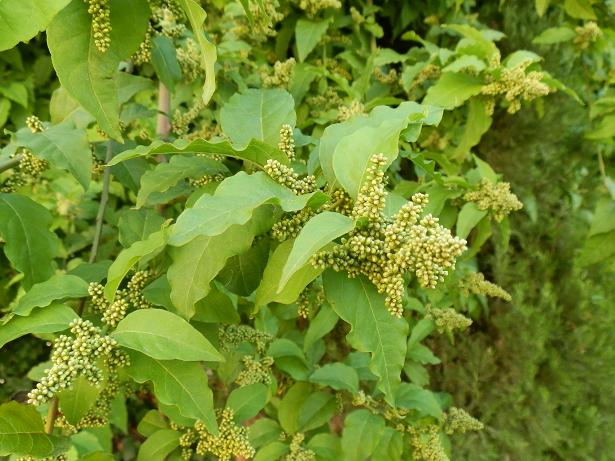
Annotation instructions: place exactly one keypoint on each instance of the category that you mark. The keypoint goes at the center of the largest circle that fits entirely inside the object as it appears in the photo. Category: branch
(163, 124)
(10, 163)
(104, 197)
(52, 414)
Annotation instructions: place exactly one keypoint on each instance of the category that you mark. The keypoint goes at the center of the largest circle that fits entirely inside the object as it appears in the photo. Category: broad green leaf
(127, 258)
(197, 263)
(412, 397)
(256, 151)
(267, 291)
(164, 336)
(469, 217)
(177, 383)
(247, 401)
(98, 456)
(288, 410)
(307, 35)
(257, 114)
(30, 245)
(158, 445)
(374, 329)
(554, 35)
(362, 431)
(264, 431)
(319, 231)
(597, 248)
(46, 320)
(466, 61)
(604, 130)
(196, 16)
(164, 60)
(390, 446)
(477, 124)
(422, 354)
(342, 150)
(216, 307)
(420, 331)
(289, 358)
(604, 217)
(541, 6)
(152, 422)
(76, 401)
(135, 225)
(273, 450)
(23, 19)
(326, 446)
(86, 73)
(323, 323)
(243, 272)
(579, 9)
(16, 92)
(316, 411)
(57, 288)
(63, 146)
(337, 376)
(168, 174)
(22, 433)
(452, 90)
(234, 202)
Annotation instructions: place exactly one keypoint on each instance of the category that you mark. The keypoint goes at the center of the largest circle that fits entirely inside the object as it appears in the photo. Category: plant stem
(163, 124)
(52, 414)
(10, 163)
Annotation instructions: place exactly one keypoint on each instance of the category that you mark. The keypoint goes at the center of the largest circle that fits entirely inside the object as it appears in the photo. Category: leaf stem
(52, 414)
(163, 124)
(10, 163)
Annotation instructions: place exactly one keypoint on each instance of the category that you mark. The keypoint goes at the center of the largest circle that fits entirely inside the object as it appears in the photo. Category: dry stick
(10, 163)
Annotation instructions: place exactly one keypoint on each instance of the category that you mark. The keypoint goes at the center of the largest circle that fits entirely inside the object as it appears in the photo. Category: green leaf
(420, 331)
(58, 288)
(374, 329)
(196, 16)
(158, 445)
(326, 446)
(308, 34)
(30, 245)
(469, 216)
(164, 336)
(216, 307)
(390, 446)
(362, 431)
(127, 258)
(164, 60)
(452, 90)
(63, 146)
(604, 130)
(168, 174)
(197, 263)
(323, 323)
(604, 217)
(17, 92)
(288, 410)
(289, 358)
(256, 151)
(316, 411)
(541, 6)
(319, 231)
(179, 384)
(337, 376)
(22, 433)
(247, 401)
(413, 397)
(86, 73)
(267, 291)
(554, 35)
(257, 114)
(135, 225)
(47, 320)
(234, 202)
(77, 401)
(477, 124)
(579, 9)
(23, 19)
(152, 422)
(243, 272)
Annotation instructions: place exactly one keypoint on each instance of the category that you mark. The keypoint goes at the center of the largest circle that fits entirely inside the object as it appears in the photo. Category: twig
(52, 414)
(163, 124)
(10, 163)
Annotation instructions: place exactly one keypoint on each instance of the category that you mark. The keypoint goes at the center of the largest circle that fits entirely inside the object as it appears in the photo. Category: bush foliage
(307, 230)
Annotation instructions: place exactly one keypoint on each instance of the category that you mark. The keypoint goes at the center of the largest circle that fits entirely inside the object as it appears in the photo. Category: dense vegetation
(307, 230)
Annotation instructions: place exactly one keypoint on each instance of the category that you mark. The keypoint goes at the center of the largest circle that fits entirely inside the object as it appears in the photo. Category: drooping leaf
(23, 19)
(247, 401)
(234, 202)
(57, 288)
(469, 217)
(135, 225)
(453, 89)
(30, 245)
(22, 433)
(362, 431)
(164, 60)
(63, 146)
(76, 401)
(307, 35)
(164, 336)
(127, 258)
(323, 323)
(177, 383)
(477, 124)
(256, 151)
(88, 74)
(257, 114)
(374, 329)
(46, 320)
(289, 408)
(159, 445)
(413, 397)
(337, 376)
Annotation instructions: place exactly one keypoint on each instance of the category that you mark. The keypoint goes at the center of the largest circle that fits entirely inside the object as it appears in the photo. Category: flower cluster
(389, 78)
(385, 249)
(287, 177)
(266, 15)
(182, 120)
(233, 335)
(494, 197)
(287, 141)
(310, 298)
(458, 421)
(204, 180)
(168, 18)
(313, 7)
(475, 283)
(297, 451)
(290, 226)
(34, 123)
(48, 458)
(101, 23)
(587, 34)
(254, 371)
(232, 440)
(74, 356)
(144, 52)
(346, 112)
(448, 319)
(189, 58)
(135, 287)
(425, 443)
(282, 74)
(517, 85)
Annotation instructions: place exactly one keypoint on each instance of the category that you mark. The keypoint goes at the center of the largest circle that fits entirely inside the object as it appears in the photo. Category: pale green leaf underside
(44, 320)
